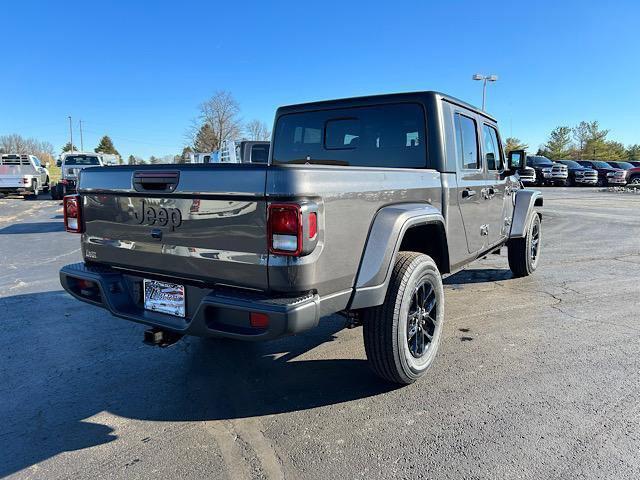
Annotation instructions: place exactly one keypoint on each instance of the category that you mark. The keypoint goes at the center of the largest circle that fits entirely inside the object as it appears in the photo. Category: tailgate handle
(155, 181)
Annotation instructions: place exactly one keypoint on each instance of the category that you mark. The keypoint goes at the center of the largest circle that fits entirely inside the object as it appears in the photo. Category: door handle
(468, 193)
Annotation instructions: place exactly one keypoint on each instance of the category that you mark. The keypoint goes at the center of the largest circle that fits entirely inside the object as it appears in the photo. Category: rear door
(471, 180)
(496, 193)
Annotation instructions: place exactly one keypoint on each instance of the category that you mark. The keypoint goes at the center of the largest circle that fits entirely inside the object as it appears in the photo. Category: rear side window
(467, 142)
(379, 136)
(491, 148)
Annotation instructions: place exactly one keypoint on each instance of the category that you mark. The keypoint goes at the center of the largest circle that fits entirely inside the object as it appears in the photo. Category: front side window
(391, 135)
(467, 142)
(491, 148)
(36, 162)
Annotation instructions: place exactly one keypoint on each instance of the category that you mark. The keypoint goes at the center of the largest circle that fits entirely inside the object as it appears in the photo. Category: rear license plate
(164, 297)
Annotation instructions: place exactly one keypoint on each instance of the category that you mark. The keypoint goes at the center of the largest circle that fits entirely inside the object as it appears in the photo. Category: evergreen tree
(558, 145)
(633, 152)
(69, 148)
(131, 160)
(205, 140)
(513, 143)
(106, 146)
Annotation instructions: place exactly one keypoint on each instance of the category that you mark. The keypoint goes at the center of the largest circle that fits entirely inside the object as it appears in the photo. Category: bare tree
(15, 143)
(257, 130)
(221, 114)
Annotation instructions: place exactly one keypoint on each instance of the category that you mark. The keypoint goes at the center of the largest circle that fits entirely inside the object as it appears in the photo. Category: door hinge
(484, 230)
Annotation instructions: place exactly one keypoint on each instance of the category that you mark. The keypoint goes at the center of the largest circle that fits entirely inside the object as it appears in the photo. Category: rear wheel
(600, 182)
(401, 336)
(524, 253)
(35, 191)
(46, 187)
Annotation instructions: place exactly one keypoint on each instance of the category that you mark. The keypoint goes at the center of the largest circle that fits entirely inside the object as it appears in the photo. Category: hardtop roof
(382, 98)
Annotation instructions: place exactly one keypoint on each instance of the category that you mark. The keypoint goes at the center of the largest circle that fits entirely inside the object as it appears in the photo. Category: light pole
(81, 140)
(485, 79)
(71, 133)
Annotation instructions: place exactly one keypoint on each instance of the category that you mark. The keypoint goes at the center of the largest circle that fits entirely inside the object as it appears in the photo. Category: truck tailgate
(198, 222)
(11, 175)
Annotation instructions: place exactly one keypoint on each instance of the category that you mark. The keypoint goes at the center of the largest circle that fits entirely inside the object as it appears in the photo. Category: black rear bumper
(209, 313)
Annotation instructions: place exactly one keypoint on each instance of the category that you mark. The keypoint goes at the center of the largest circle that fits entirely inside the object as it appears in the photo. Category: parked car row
(542, 171)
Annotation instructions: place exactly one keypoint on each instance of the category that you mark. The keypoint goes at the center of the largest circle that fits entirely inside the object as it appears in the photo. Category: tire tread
(378, 333)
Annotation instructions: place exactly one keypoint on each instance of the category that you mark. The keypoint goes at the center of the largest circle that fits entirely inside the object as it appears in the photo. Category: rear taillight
(313, 225)
(284, 228)
(72, 214)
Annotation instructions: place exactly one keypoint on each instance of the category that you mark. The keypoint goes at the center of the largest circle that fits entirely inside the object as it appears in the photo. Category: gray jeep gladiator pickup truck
(364, 204)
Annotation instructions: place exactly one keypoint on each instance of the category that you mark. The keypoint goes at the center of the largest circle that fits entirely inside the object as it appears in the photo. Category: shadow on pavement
(81, 361)
(32, 227)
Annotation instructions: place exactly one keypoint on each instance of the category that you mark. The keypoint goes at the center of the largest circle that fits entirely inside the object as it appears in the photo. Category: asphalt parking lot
(536, 378)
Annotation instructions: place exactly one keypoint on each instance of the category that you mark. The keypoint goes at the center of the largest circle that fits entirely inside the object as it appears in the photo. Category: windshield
(81, 160)
(625, 165)
(571, 163)
(544, 161)
(602, 165)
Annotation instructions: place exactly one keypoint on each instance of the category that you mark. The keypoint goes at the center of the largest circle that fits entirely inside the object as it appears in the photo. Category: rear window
(380, 136)
(14, 160)
(259, 153)
(81, 160)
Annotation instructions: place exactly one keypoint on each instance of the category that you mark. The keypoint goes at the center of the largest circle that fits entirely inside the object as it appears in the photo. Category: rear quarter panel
(348, 199)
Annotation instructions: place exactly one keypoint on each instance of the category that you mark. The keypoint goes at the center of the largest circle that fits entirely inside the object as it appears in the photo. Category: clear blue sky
(138, 70)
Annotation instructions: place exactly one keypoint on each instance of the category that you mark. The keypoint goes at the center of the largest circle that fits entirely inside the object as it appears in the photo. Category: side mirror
(516, 161)
(59, 163)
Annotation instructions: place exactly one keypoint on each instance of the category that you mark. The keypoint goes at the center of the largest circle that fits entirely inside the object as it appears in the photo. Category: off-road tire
(521, 260)
(385, 327)
(47, 186)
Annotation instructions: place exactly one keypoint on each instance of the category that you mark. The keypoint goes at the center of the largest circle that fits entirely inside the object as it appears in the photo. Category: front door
(471, 181)
(497, 194)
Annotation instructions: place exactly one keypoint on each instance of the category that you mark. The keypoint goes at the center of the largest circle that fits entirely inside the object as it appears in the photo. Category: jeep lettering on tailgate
(161, 216)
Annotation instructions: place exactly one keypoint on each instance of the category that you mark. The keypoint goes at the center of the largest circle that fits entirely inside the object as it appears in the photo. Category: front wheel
(524, 253)
(401, 336)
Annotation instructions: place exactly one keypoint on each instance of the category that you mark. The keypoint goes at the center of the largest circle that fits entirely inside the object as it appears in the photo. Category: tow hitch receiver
(160, 338)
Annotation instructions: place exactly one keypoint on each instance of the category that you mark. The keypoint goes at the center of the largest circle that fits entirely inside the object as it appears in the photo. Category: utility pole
(71, 132)
(81, 142)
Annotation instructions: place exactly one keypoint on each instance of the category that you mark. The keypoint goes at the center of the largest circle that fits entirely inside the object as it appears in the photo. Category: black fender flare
(525, 203)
